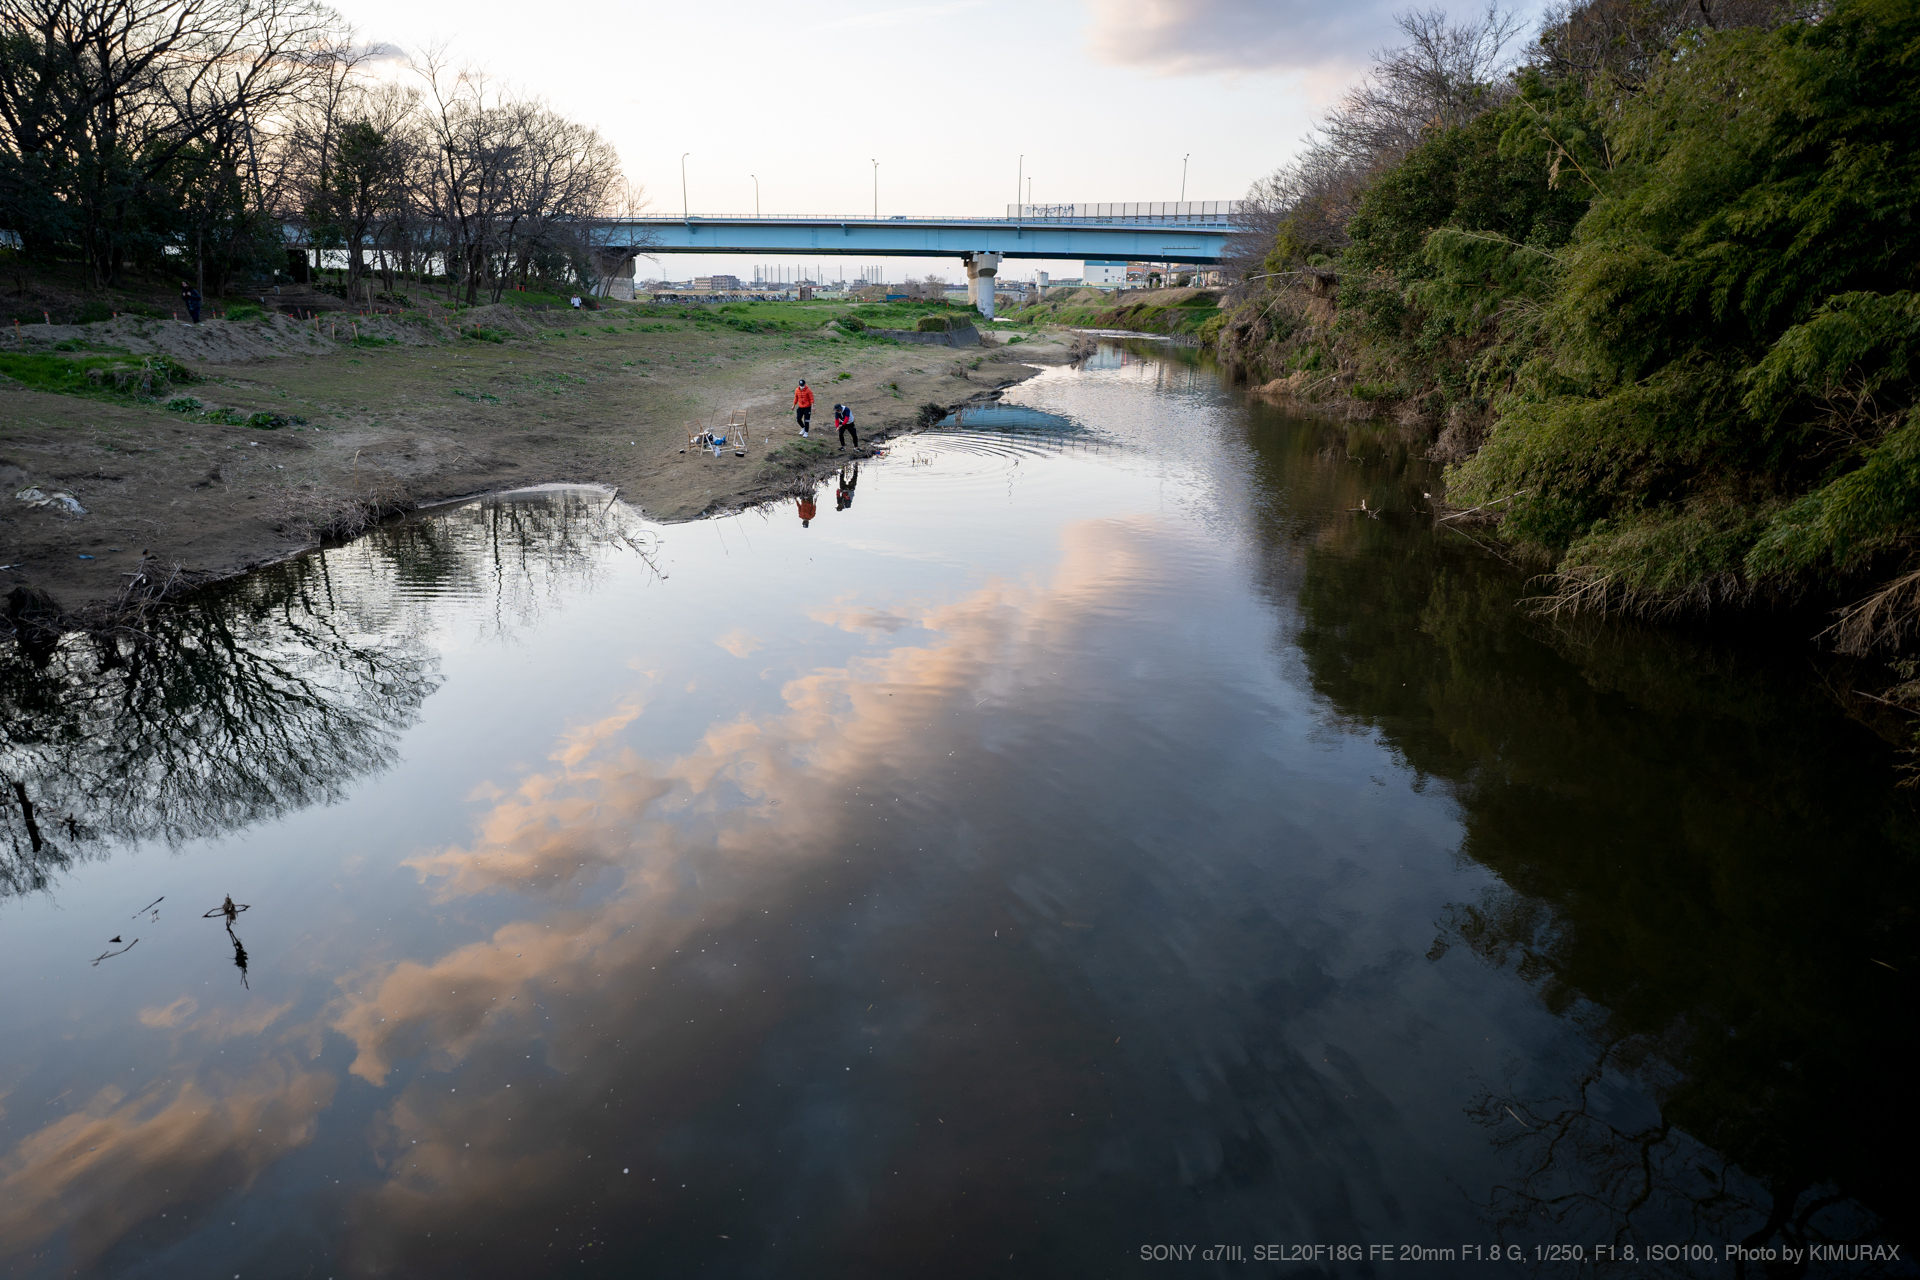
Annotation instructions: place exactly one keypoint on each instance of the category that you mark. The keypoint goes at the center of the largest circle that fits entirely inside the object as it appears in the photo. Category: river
(1118, 825)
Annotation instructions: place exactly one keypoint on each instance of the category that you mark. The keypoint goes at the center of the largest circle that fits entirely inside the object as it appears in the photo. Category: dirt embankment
(398, 412)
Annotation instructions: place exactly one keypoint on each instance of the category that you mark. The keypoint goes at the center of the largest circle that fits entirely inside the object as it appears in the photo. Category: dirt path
(604, 400)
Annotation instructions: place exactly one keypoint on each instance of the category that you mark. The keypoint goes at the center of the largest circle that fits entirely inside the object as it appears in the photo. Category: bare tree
(1444, 75)
(142, 129)
(1619, 43)
(108, 105)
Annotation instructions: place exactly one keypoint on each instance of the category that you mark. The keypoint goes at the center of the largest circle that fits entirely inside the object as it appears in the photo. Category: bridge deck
(1166, 238)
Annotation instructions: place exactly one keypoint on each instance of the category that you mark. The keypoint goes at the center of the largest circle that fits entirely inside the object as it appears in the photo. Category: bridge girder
(922, 238)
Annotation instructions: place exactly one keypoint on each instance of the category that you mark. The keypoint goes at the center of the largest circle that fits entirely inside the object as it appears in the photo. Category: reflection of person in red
(807, 510)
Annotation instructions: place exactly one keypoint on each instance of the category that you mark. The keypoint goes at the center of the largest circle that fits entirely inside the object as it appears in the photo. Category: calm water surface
(1089, 832)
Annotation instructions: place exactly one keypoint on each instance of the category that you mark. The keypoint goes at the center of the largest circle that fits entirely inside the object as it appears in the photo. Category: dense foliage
(1665, 308)
(1722, 402)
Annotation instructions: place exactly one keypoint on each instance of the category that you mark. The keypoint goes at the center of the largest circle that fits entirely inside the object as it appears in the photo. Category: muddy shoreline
(384, 415)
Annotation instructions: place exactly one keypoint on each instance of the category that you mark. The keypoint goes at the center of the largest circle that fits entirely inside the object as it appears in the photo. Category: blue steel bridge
(1188, 232)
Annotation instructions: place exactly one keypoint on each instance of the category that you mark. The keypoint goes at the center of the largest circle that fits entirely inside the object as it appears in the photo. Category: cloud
(740, 643)
(858, 620)
(753, 805)
(631, 869)
(91, 1172)
(170, 1016)
(1200, 37)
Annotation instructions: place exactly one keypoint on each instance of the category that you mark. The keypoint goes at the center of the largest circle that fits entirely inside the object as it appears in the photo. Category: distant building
(716, 284)
(1103, 272)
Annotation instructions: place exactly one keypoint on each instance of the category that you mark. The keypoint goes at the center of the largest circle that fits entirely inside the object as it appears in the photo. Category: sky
(959, 101)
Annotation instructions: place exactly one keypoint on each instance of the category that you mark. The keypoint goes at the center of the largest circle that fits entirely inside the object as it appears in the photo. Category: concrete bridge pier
(981, 270)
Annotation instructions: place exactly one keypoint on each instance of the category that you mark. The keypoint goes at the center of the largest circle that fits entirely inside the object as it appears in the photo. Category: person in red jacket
(803, 407)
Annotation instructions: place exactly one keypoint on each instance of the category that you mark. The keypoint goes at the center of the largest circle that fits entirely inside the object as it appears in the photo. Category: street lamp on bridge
(683, 185)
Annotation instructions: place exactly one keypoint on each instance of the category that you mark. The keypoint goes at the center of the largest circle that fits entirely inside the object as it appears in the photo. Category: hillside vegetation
(1651, 295)
(1174, 311)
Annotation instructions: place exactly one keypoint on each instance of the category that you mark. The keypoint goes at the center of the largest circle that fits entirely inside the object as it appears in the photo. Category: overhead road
(1177, 238)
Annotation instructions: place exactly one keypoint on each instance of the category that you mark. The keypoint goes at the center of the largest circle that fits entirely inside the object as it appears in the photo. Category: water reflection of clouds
(718, 836)
(692, 935)
(90, 1174)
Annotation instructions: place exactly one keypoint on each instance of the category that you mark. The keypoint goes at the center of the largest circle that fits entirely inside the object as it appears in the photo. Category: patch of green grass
(366, 340)
(534, 299)
(481, 333)
(113, 377)
(478, 397)
(242, 311)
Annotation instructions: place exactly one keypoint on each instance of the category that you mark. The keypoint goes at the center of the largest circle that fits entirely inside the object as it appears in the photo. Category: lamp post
(1183, 176)
(683, 185)
(756, 194)
(1019, 180)
(876, 190)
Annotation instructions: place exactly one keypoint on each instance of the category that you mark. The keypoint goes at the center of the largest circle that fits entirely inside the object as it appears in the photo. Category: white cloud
(1194, 37)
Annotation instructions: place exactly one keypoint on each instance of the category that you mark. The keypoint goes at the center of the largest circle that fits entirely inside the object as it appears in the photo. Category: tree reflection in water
(273, 692)
(1702, 865)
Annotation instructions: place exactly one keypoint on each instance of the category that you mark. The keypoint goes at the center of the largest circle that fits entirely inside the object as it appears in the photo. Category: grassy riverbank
(264, 435)
(1664, 332)
(1187, 312)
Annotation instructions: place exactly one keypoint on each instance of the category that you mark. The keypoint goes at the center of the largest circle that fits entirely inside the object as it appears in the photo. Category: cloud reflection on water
(634, 865)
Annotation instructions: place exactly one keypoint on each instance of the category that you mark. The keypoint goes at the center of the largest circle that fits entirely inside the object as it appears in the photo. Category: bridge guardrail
(1198, 221)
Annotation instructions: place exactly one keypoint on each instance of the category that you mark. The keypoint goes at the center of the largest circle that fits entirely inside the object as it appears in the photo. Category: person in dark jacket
(191, 296)
(843, 419)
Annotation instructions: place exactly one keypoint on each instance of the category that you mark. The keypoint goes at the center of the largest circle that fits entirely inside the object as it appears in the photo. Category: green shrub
(243, 311)
(481, 333)
(185, 404)
(115, 376)
(1720, 397)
